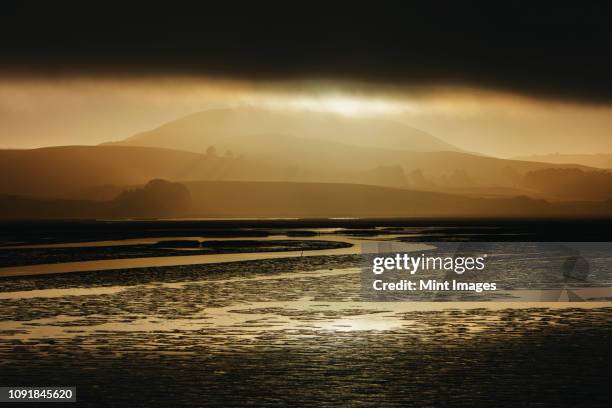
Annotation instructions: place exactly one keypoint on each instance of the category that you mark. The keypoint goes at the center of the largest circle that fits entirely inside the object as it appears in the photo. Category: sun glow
(335, 103)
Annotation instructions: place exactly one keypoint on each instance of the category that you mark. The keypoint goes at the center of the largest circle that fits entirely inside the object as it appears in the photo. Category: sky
(507, 79)
(69, 111)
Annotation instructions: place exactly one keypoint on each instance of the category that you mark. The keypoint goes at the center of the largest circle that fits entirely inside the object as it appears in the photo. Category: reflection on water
(116, 242)
(110, 264)
(292, 331)
(196, 306)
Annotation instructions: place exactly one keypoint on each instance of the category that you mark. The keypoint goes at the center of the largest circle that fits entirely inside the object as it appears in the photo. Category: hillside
(101, 172)
(69, 171)
(159, 199)
(281, 199)
(599, 160)
(318, 147)
(245, 129)
(235, 152)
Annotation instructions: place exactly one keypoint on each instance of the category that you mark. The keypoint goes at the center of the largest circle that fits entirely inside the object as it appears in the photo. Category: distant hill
(102, 172)
(226, 146)
(600, 160)
(252, 162)
(572, 184)
(158, 198)
(282, 199)
(325, 147)
(70, 171)
(260, 132)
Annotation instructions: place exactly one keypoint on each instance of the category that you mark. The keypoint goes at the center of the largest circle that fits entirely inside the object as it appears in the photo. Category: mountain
(102, 172)
(257, 131)
(599, 160)
(299, 155)
(325, 147)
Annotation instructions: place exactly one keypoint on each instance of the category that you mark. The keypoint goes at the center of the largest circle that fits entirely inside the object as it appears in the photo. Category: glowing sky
(47, 112)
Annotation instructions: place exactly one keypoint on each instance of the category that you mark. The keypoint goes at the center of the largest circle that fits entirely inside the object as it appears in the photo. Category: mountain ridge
(222, 126)
(598, 160)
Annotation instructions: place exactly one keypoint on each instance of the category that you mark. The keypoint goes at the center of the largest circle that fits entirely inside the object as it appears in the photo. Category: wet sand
(293, 331)
(115, 257)
(278, 332)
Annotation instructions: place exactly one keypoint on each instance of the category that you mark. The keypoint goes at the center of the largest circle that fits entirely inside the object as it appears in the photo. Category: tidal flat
(292, 331)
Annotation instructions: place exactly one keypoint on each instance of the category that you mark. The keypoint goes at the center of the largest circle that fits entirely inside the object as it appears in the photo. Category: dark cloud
(545, 50)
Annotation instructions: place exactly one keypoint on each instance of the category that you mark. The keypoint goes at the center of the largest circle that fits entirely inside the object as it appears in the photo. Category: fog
(45, 111)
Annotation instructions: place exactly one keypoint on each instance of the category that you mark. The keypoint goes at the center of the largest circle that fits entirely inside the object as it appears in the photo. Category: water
(110, 264)
(292, 331)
